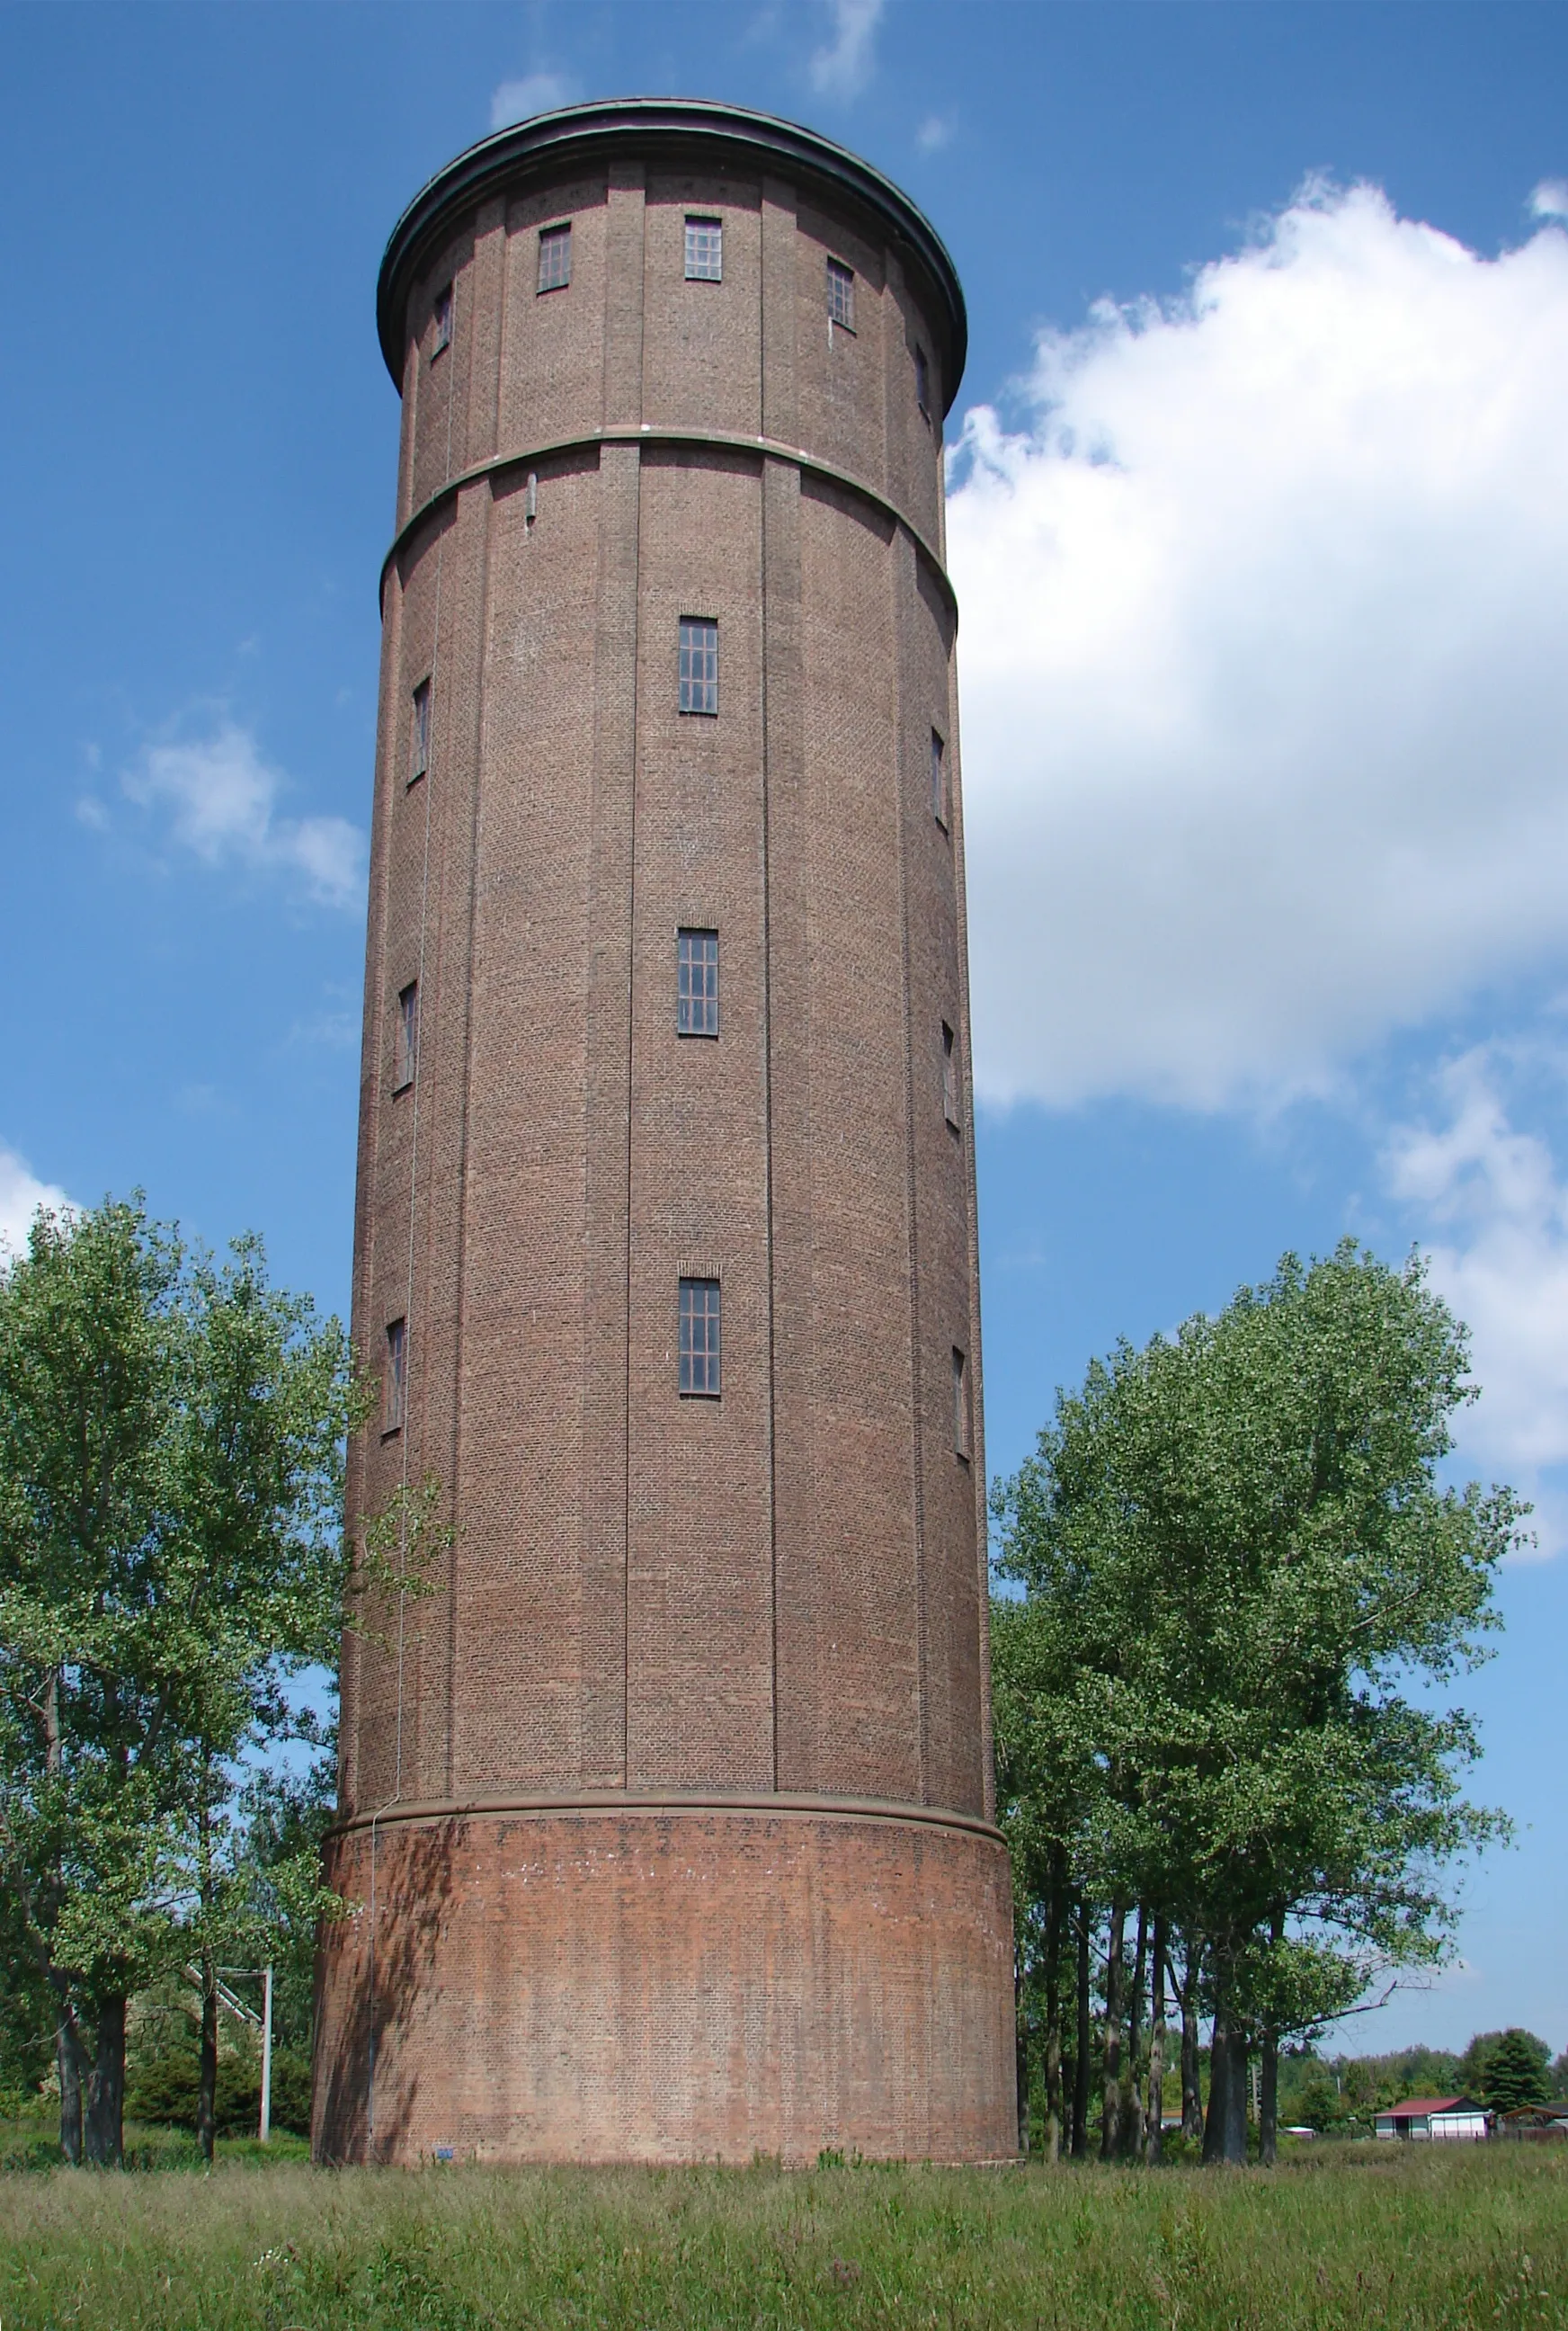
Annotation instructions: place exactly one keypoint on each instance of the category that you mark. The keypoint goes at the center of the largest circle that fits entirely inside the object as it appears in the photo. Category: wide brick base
(645, 1980)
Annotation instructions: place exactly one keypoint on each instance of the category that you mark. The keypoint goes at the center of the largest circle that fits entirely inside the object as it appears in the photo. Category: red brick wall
(783, 1589)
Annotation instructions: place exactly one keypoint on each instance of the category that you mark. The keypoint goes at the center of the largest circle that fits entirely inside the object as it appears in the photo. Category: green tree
(1241, 1538)
(168, 1551)
(1507, 2068)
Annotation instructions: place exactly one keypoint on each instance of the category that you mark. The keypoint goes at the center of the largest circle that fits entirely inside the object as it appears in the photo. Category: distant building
(1536, 2120)
(1440, 2119)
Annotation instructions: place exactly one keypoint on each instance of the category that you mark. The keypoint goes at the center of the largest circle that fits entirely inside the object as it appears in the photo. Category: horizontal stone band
(760, 1806)
(718, 440)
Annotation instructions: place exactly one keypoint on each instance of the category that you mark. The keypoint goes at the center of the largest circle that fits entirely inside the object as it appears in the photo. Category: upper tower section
(781, 292)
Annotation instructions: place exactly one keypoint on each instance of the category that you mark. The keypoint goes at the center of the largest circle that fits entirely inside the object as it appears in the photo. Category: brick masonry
(678, 1785)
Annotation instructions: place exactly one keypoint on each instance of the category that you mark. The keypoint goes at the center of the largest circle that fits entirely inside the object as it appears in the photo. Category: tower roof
(550, 142)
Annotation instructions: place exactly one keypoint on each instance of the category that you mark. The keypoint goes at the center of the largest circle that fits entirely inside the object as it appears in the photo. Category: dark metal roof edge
(606, 122)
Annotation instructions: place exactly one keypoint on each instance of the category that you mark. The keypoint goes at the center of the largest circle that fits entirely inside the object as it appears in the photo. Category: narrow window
(704, 251)
(938, 779)
(960, 1404)
(697, 983)
(922, 384)
(949, 1076)
(406, 1059)
(699, 665)
(554, 257)
(841, 295)
(699, 1337)
(419, 734)
(394, 1386)
(443, 322)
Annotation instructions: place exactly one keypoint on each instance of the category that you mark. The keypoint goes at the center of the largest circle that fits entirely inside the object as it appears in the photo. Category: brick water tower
(667, 1810)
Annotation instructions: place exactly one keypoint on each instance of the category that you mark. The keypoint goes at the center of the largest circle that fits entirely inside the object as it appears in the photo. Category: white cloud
(221, 798)
(1550, 199)
(540, 92)
(933, 134)
(21, 1195)
(1266, 705)
(842, 66)
(1500, 1260)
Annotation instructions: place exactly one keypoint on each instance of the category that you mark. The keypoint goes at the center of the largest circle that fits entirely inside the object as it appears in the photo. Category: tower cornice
(691, 129)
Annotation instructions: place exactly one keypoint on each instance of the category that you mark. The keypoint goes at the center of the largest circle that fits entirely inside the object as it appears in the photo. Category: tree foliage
(1237, 1562)
(171, 1432)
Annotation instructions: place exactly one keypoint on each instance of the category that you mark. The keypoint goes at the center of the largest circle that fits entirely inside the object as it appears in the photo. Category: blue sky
(1259, 524)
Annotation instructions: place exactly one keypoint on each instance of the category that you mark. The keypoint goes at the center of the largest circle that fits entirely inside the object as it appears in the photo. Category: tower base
(647, 1978)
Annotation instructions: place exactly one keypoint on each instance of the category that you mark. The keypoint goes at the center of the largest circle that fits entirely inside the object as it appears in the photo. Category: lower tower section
(656, 1979)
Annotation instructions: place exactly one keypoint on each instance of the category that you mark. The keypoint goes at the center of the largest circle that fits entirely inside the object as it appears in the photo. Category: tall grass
(1350, 2237)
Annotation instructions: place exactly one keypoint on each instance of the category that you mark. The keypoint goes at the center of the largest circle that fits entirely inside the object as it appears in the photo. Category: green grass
(1354, 2237)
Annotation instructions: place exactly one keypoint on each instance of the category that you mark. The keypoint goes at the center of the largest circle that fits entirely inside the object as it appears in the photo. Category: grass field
(1353, 2236)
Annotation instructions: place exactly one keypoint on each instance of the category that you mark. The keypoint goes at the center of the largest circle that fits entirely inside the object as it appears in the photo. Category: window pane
(949, 1076)
(922, 381)
(554, 257)
(699, 1336)
(697, 983)
(938, 780)
(960, 1403)
(704, 251)
(393, 1389)
(442, 321)
(407, 1036)
(699, 665)
(840, 294)
(419, 734)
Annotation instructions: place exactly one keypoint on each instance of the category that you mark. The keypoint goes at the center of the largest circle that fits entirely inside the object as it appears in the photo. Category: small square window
(699, 1339)
(419, 734)
(938, 779)
(922, 384)
(407, 1037)
(554, 257)
(841, 295)
(697, 983)
(704, 251)
(960, 1404)
(949, 1076)
(699, 665)
(442, 312)
(394, 1384)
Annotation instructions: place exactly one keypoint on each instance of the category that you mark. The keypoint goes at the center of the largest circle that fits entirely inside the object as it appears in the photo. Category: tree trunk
(1080, 2063)
(68, 2058)
(207, 2084)
(1219, 2093)
(1055, 1908)
(1225, 2130)
(1154, 2111)
(1268, 2101)
(1191, 2089)
(1111, 2098)
(1268, 2083)
(1128, 2141)
(104, 2120)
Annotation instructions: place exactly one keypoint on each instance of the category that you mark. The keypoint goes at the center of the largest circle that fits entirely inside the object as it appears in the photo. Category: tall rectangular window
(960, 1404)
(395, 1383)
(406, 1046)
(443, 311)
(922, 382)
(949, 1076)
(704, 251)
(699, 665)
(556, 257)
(841, 295)
(419, 734)
(938, 779)
(699, 1337)
(697, 983)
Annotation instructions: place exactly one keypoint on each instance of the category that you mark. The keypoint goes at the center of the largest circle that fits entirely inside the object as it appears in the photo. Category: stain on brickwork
(667, 1816)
